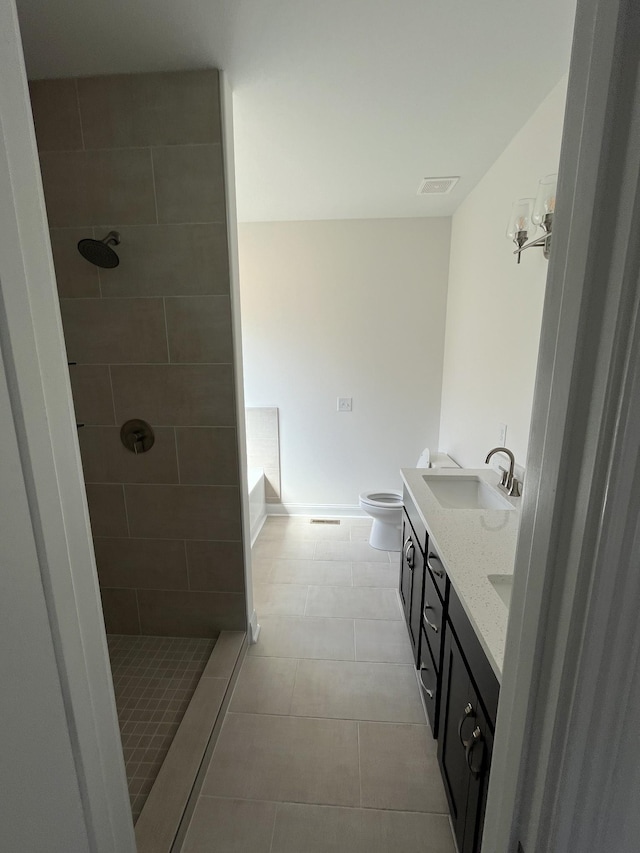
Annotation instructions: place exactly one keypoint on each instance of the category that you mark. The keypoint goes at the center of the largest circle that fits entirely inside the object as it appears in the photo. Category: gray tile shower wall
(142, 155)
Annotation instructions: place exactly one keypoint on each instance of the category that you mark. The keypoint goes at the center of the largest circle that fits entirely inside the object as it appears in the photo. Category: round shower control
(137, 436)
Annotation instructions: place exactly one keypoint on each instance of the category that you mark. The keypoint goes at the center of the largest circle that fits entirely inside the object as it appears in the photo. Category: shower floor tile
(154, 679)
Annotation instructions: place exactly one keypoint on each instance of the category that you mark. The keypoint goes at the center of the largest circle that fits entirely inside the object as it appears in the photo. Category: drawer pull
(468, 712)
(433, 627)
(426, 689)
(438, 572)
(475, 739)
(409, 548)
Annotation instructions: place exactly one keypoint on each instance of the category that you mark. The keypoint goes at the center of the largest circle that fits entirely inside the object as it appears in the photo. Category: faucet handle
(514, 489)
(504, 481)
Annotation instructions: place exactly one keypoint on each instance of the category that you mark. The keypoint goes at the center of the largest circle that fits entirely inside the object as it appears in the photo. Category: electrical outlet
(502, 435)
(345, 404)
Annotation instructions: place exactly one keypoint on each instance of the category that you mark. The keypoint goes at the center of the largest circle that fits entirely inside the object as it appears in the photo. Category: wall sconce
(529, 215)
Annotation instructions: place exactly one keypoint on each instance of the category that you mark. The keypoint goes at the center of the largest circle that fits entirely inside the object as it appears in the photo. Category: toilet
(386, 507)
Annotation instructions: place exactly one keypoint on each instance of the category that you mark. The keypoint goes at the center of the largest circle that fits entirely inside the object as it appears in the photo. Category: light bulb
(520, 223)
(545, 205)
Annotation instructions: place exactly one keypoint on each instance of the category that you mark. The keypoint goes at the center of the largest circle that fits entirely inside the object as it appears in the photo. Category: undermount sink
(503, 585)
(465, 493)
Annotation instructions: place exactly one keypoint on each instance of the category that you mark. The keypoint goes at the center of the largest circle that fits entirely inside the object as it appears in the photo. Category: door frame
(584, 449)
(564, 762)
(43, 423)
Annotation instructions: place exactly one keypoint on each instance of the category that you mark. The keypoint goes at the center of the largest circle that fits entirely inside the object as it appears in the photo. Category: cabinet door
(433, 624)
(405, 571)
(428, 677)
(417, 597)
(434, 564)
(478, 755)
(458, 706)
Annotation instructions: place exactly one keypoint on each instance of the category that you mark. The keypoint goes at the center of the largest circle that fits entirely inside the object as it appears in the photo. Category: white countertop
(472, 544)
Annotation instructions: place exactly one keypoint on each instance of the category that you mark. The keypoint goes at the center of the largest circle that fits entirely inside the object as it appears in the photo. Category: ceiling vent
(437, 186)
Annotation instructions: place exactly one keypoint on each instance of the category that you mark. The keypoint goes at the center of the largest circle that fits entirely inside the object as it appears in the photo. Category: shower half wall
(151, 339)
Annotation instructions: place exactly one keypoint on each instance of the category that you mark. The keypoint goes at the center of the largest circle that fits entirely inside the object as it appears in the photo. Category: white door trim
(566, 719)
(34, 358)
(228, 151)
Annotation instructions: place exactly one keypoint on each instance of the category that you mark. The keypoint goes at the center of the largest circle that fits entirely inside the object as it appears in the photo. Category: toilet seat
(384, 500)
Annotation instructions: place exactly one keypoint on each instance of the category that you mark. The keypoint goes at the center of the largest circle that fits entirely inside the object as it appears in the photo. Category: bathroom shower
(99, 252)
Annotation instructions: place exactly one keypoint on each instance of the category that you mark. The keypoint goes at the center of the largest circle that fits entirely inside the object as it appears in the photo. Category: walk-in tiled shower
(133, 166)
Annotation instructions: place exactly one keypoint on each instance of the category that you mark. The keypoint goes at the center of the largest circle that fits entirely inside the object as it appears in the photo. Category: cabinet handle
(410, 550)
(474, 740)
(468, 712)
(433, 627)
(438, 572)
(424, 687)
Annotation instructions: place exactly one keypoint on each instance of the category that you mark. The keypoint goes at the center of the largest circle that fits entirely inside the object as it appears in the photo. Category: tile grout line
(126, 511)
(132, 148)
(175, 442)
(166, 328)
(273, 828)
(113, 399)
(321, 805)
(409, 665)
(155, 363)
(135, 591)
(153, 184)
(79, 113)
(293, 689)
(359, 764)
(355, 646)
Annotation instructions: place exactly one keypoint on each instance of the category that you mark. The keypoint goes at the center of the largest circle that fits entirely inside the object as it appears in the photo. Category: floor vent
(325, 521)
(437, 186)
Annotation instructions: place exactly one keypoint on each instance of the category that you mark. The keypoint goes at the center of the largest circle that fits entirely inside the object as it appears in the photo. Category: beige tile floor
(325, 747)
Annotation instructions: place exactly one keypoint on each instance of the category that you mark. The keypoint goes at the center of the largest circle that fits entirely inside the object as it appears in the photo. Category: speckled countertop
(472, 544)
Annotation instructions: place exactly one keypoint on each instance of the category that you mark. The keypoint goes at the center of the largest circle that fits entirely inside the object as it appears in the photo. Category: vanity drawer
(416, 522)
(432, 624)
(438, 574)
(428, 678)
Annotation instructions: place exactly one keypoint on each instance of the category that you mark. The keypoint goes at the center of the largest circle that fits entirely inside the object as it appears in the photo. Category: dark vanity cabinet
(469, 699)
(423, 601)
(459, 687)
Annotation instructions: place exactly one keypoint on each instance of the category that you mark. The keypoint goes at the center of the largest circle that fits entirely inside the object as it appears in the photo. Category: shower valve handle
(137, 436)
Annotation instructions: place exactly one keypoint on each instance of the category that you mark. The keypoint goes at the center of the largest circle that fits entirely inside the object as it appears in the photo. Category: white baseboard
(317, 510)
(257, 527)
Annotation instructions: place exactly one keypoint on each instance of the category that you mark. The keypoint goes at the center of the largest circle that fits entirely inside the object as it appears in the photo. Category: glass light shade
(521, 218)
(546, 198)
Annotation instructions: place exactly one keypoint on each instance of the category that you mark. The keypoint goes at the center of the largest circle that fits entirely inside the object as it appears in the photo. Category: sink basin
(503, 584)
(465, 493)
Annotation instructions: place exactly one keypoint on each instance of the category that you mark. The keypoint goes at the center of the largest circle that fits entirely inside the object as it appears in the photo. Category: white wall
(351, 308)
(494, 306)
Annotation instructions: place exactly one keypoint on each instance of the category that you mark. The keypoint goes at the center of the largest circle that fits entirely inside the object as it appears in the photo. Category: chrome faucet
(509, 483)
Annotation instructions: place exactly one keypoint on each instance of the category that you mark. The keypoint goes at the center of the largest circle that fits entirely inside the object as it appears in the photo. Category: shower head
(99, 252)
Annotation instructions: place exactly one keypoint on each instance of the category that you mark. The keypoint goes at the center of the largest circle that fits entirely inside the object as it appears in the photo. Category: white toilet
(386, 507)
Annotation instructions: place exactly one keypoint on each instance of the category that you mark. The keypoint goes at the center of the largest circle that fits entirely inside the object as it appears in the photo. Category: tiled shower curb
(160, 821)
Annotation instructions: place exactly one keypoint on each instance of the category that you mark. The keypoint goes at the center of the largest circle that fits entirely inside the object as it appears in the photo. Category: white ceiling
(341, 107)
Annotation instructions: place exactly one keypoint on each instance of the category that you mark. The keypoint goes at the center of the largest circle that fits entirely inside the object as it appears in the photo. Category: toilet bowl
(386, 510)
(385, 507)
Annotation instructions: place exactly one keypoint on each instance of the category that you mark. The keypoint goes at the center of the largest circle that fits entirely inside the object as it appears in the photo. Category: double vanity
(459, 533)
